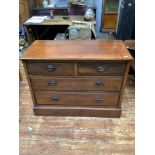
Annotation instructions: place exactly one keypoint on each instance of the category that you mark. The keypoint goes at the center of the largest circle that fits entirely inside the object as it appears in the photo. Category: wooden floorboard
(76, 135)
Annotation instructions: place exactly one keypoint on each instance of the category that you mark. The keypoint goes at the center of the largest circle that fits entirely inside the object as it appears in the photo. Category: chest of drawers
(77, 78)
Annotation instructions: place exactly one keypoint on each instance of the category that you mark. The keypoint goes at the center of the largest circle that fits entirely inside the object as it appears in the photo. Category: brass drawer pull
(99, 83)
(100, 68)
(99, 99)
(51, 68)
(52, 82)
(55, 98)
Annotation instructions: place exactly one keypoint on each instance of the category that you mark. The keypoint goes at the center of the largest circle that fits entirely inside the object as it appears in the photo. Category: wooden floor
(76, 135)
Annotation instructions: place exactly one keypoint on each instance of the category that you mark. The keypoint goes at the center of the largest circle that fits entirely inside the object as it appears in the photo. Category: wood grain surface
(23, 11)
(50, 68)
(49, 83)
(77, 98)
(101, 68)
(77, 50)
(76, 135)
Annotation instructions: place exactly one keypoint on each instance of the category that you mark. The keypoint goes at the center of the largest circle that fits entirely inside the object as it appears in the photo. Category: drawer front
(101, 68)
(76, 98)
(51, 83)
(44, 68)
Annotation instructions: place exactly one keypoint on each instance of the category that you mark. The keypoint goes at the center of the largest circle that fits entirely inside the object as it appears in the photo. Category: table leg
(29, 37)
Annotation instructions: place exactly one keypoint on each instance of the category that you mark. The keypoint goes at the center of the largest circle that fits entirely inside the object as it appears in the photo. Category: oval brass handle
(55, 98)
(52, 82)
(99, 99)
(100, 68)
(51, 68)
(99, 83)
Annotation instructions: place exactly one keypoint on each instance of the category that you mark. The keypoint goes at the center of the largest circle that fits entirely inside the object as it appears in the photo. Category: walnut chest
(77, 78)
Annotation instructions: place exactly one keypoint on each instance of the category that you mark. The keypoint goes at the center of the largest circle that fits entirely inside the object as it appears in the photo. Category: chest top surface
(77, 50)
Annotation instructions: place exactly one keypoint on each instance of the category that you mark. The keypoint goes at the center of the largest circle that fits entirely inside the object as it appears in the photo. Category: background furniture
(109, 15)
(22, 46)
(57, 11)
(23, 11)
(48, 29)
(78, 78)
(36, 7)
(126, 21)
(130, 45)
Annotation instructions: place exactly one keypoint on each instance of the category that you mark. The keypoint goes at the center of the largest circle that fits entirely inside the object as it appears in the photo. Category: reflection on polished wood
(78, 50)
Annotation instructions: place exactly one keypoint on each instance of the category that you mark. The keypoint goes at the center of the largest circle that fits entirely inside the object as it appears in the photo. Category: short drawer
(51, 83)
(77, 98)
(101, 68)
(47, 68)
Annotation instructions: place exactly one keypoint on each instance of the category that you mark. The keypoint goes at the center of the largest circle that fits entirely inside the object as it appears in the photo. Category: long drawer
(77, 98)
(87, 83)
(101, 68)
(48, 68)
